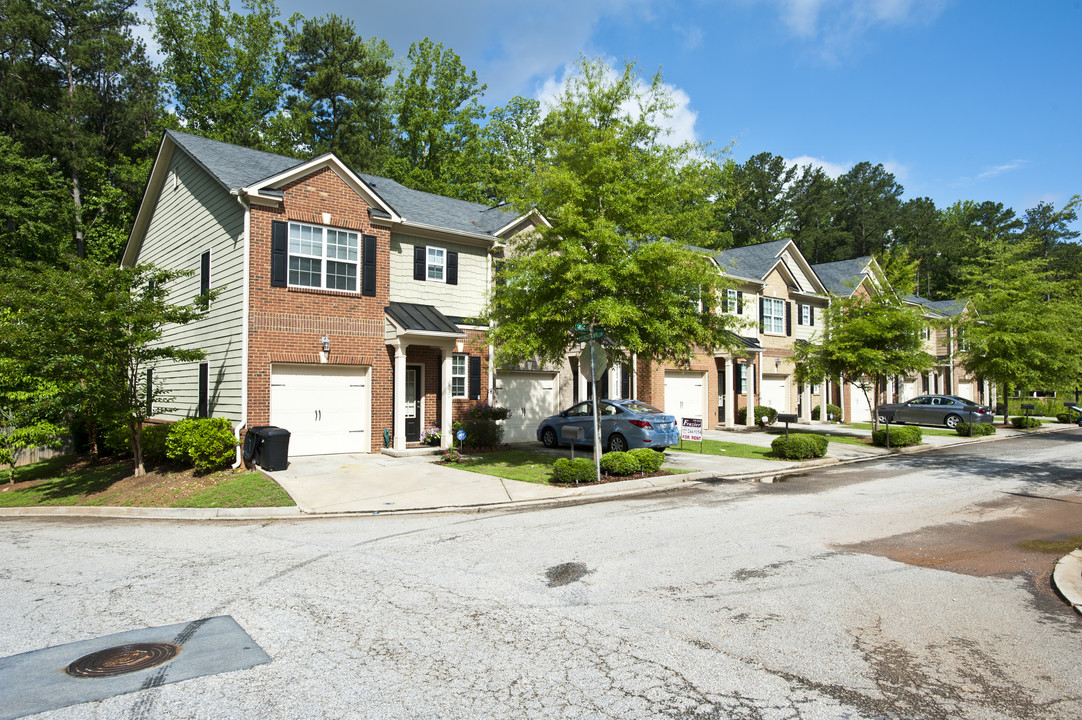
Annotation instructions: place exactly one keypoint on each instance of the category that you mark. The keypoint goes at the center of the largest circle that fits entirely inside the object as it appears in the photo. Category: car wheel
(617, 443)
(548, 438)
(952, 421)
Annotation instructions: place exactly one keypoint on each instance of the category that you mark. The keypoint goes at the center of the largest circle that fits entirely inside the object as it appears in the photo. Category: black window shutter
(204, 391)
(799, 314)
(150, 392)
(788, 318)
(420, 261)
(475, 377)
(725, 303)
(739, 303)
(368, 265)
(811, 315)
(279, 253)
(204, 273)
(452, 267)
(625, 380)
(762, 311)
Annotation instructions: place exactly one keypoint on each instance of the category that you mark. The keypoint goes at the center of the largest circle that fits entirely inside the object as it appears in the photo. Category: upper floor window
(435, 264)
(734, 301)
(925, 332)
(773, 316)
(323, 257)
(806, 315)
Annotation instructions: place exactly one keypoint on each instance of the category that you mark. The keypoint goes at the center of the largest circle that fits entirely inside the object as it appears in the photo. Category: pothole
(565, 573)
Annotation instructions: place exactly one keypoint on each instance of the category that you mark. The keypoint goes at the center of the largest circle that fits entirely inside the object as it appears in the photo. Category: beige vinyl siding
(466, 299)
(193, 214)
(792, 264)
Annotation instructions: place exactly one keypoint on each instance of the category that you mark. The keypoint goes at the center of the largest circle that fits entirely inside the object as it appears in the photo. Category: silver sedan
(946, 410)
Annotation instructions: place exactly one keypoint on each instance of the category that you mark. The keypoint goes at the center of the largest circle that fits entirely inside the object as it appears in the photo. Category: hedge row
(831, 410)
(206, 444)
(800, 446)
(620, 464)
(760, 411)
(903, 436)
(1025, 423)
(979, 429)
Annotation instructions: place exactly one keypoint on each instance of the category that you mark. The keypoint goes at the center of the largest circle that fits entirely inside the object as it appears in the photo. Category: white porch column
(749, 386)
(446, 403)
(730, 393)
(805, 404)
(824, 399)
(400, 395)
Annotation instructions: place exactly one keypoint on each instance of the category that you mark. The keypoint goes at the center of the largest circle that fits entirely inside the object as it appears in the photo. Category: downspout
(245, 306)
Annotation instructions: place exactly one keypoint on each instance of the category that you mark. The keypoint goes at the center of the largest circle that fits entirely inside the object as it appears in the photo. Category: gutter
(244, 314)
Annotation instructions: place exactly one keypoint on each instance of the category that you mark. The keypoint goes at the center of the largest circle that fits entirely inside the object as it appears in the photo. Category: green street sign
(582, 328)
(583, 334)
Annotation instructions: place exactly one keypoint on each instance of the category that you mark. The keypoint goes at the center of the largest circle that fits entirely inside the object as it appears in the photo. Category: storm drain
(122, 659)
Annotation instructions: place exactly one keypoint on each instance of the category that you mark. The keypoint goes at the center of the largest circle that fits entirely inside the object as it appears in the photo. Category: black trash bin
(273, 452)
(253, 439)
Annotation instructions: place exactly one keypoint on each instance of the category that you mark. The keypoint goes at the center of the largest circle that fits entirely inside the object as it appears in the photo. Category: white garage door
(684, 394)
(531, 397)
(325, 408)
(858, 405)
(909, 389)
(965, 389)
(775, 392)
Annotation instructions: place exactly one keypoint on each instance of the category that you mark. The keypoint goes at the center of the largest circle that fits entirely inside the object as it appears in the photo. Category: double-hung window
(322, 257)
(805, 314)
(773, 316)
(436, 262)
(458, 376)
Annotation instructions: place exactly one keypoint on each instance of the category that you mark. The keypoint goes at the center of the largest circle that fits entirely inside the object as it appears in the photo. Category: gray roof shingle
(237, 167)
(842, 277)
(751, 261)
(950, 308)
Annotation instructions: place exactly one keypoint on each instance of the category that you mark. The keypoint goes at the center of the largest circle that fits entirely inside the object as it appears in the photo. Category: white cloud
(692, 34)
(1000, 169)
(833, 170)
(680, 125)
(837, 25)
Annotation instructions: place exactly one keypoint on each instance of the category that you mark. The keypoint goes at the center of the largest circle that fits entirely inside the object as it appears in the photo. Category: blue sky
(960, 99)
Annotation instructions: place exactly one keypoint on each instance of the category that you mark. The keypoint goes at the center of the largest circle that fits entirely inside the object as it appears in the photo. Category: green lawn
(64, 481)
(923, 430)
(522, 465)
(831, 437)
(728, 449)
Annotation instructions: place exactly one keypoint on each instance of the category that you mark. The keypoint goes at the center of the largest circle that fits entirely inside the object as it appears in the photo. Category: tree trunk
(137, 448)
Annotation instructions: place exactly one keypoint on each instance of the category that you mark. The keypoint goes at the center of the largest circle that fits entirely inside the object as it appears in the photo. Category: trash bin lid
(273, 431)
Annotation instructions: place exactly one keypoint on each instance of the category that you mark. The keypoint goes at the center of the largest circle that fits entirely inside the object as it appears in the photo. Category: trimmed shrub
(205, 443)
(979, 429)
(760, 410)
(1025, 423)
(649, 460)
(619, 464)
(902, 436)
(1063, 417)
(480, 424)
(800, 446)
(831, 410)
(583, 471)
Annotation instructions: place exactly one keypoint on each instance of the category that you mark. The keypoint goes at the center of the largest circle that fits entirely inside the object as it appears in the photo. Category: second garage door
(531, 397)
(326, 408)
(685, 394)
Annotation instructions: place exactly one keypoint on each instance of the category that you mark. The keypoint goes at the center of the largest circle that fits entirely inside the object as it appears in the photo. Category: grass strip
(728, 449)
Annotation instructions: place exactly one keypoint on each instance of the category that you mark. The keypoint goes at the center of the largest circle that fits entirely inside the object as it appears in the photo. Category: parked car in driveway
(946, 410)
(625, 424)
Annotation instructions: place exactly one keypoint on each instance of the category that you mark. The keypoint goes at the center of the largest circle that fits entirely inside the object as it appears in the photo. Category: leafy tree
(223, 68)
(28, 409)
(920, 231)
(35, 217)
(866, 339)
(339, 91)
(1022, 332)
(1049, 227)
(78, 88)
(513, 147)
(759, 190)
(868, 205)
(813, 227)
(438, 115)
(93, 331)
(613, 192)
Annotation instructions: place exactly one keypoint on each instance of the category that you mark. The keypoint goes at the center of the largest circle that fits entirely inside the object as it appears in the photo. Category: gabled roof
(947, 308)
(844, 276)
(756, 262)
(237, 167)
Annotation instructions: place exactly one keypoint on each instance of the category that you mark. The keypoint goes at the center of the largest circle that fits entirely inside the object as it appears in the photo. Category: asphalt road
(864, 591)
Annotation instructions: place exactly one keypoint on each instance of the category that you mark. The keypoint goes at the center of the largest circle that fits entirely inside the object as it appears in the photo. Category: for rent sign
(691, 429)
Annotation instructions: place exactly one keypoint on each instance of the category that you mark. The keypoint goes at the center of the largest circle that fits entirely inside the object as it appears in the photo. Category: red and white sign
(691, 429)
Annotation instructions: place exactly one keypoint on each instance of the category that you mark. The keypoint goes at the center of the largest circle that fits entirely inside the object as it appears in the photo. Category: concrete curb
(1067, 579)
(593, 493)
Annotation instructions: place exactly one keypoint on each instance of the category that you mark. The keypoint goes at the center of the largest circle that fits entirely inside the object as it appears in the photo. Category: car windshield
(640, 407)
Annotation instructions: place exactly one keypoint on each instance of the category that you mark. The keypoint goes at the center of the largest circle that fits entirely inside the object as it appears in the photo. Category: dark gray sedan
(946, 410)
(625, 424)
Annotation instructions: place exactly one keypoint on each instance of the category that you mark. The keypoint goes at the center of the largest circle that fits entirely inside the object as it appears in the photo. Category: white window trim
(805, 314)
(429, 264)
(768, 303)
(323, 258)
(464, 375)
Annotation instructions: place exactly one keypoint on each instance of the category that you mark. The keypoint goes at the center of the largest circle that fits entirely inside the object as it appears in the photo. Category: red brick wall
(651, 382)
(286, 324)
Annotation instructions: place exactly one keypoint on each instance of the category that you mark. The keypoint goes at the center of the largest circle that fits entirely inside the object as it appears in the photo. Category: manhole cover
(122, 659)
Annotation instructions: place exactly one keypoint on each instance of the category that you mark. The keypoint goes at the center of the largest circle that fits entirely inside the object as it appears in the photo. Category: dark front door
(413, 403)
